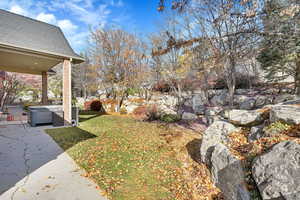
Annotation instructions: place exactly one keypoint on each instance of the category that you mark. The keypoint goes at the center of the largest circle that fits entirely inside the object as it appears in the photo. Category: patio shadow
(69, 136)
(25, 149)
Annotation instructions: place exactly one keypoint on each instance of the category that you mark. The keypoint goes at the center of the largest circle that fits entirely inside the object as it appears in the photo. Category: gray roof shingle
(26, 33)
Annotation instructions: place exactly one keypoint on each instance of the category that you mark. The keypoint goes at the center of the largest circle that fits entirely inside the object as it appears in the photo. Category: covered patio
(34, 47)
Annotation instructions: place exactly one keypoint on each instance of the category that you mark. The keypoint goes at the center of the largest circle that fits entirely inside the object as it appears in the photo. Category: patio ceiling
(24, 62)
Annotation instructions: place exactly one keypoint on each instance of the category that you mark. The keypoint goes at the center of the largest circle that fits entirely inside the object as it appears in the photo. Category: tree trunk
(297, 77)
(231, 80)
(3, 101)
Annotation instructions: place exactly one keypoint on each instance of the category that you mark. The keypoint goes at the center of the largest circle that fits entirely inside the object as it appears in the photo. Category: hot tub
(50, 114)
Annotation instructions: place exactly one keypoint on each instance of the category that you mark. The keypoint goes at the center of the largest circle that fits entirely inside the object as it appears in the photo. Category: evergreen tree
(280, 53)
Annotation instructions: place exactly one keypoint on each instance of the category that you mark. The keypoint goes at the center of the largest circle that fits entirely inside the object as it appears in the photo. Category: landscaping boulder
(256, 132)
(210, 111)
(169, 100)
(247, 104)
(221, 99)
(238, 99)
(283, 98)
(212, 114)
(215, 134)
(166, 110)
(199, 98)
(245, 117)
(228, 174)
(131, 108)
(277, 172)
(243, 91)
(189, 116)
(288, 114)
(262, 100)
(188, 102)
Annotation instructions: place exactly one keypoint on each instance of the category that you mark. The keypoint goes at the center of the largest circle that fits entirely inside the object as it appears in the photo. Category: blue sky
(76, 17)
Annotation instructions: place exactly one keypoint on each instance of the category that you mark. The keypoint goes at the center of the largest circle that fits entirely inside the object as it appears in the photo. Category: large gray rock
(239, 99)
(228, 174)
(248, 104)
(262, 100)
(256, 132)
(283, 98)
(166, 110)
(285, 113)
(189, 116)
(211, 111)
(277, 173)
(215, 134)
(198, 101)
(245, 117)
(212, 114)
(243, 91)
(131, 108)
(169, 100)
(221, 99)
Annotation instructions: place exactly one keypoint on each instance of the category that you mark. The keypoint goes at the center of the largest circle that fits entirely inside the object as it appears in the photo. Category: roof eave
(76, 59)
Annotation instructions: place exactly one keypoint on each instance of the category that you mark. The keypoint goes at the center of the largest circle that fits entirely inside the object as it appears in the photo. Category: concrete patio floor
(34, 167)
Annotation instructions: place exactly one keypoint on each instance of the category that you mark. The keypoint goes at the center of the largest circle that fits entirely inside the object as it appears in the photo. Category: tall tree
(120, 61)
(9, 88)
(229, 27)
(280, 54)
(81, 76)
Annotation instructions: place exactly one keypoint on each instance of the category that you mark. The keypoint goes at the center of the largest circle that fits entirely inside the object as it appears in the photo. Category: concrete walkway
(34, 167)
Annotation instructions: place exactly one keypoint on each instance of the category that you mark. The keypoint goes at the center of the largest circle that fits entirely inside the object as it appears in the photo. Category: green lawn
(128, 159)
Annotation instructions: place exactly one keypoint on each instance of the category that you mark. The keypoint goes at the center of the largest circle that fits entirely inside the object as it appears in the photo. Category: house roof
(28, 35)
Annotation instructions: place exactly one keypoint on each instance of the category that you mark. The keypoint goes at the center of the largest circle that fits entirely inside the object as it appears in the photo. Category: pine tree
(280, 54)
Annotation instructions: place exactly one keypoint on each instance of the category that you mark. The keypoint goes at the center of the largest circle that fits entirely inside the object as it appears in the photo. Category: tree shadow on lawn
(87, 115)
(69, 136)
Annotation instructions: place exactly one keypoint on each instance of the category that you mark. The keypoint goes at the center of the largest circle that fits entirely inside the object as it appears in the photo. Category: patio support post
(67, 93)
(44, 88)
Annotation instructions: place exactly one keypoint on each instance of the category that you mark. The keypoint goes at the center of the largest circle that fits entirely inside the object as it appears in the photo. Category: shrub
(96, 105)
(152, 113)
(132, 91)
(170, 118)
(276, 128)
(166, 86)
(242, 81)
(162, 86)
(87, 105)
(140, 111)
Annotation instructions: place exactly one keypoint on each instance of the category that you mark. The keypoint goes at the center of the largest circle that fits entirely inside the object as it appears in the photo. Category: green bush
(170, 118)
(276, 128)
(132, 91)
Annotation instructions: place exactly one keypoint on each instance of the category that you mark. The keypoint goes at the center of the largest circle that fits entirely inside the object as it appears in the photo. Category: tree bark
(297, 77)
(3, 101)
(231, 80)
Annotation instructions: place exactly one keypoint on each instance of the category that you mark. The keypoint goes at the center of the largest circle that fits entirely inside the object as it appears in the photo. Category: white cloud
(18, 10)
(82, 14)
(90, 17)
(117, 3)
(48, 18)
(67, 26)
